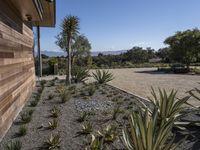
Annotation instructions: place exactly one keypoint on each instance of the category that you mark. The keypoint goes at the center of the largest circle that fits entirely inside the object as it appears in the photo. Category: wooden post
(39, 53)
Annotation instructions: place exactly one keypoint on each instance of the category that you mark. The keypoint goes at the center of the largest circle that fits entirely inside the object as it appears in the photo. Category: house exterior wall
(17, 74)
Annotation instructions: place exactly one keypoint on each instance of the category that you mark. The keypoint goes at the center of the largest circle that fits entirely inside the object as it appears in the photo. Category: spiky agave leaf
(146, 134)
(103, 76)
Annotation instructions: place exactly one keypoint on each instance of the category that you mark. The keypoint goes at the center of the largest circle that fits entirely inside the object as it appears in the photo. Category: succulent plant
(53, 141)
(103, 76)
(53, 124)
(55, 112)
(17, 145)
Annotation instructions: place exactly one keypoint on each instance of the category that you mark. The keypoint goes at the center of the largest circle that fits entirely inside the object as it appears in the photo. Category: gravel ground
(139, 81)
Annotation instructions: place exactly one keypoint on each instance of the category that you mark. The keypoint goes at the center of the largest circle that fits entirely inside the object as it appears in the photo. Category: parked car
(179, 68)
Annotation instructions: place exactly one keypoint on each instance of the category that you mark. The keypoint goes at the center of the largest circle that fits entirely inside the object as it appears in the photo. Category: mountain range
(93, 53)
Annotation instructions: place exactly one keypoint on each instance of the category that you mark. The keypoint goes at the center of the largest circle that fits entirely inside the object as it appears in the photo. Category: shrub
(103, 76)
(53, 141)
(33, 103)
(17, 145)
(144, 134)
(79, 74)
(53, 124)
(22, 131)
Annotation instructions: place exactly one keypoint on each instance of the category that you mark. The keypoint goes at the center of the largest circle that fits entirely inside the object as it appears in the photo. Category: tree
(81, 47)
(164, 54)
(185, 46)
(70, 29)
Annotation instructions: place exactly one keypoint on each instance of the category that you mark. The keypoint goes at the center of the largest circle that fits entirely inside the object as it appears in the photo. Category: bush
(103, 76)
(22, 131)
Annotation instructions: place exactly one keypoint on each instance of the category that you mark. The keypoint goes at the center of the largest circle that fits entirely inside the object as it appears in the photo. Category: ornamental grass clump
(26, 116)
(109, 134)
(53, 124)
(91, 90)
(87, 128)
(83, 117)
(102, 77)
(17, 145)
(96, 143)
(22, 131)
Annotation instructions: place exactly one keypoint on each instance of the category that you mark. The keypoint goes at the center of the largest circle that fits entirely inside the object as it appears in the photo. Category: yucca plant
(17, 145)
(53, 141)
(96, 143)
(53, 124)
(22, 131)
(168, 105)
(145, 133)
(195, 93)
(109, 134)
(79, 74)
(103, 76)
(86, 128)
(55, 112)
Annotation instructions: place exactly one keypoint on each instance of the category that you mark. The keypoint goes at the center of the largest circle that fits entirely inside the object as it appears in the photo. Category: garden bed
(99, 106)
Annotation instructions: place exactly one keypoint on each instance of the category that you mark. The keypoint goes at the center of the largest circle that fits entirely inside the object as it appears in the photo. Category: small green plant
(17, 145)
(83, 117)
(109, 134)
(103, 76)
(96, 143)
(55, 112)
(91, 90)
(86, 128)
(53, 124)
(53, 141)
(22, 131)
(26, 116)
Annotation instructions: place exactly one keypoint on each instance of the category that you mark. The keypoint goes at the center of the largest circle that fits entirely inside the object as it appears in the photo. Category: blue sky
(122, 24)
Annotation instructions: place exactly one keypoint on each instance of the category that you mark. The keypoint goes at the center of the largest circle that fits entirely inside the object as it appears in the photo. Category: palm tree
(70, 28)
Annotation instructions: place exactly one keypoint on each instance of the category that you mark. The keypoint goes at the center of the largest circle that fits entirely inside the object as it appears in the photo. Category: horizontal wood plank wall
(17, 73)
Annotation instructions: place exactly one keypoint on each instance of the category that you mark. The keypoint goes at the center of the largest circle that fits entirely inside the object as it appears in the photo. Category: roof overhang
(39, 12)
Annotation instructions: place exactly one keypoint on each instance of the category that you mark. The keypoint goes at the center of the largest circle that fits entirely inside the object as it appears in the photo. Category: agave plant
(86, 128)
(167, 104)
(83, 117)
(96, 143)
(55, 112)
(53, 141)
(103, 76)
(195, 93)
(145, 133)
(53, 124)
(109, 134)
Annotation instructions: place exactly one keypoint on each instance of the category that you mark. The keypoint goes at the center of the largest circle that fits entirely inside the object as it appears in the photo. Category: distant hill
(94, 53)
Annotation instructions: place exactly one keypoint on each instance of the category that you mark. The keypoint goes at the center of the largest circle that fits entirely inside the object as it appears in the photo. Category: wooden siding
(17, 74)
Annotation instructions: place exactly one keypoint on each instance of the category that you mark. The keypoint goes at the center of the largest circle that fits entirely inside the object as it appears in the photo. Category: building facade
(17, 72)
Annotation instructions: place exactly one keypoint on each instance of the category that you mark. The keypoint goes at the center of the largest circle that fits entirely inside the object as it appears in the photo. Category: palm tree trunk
(69, 64)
